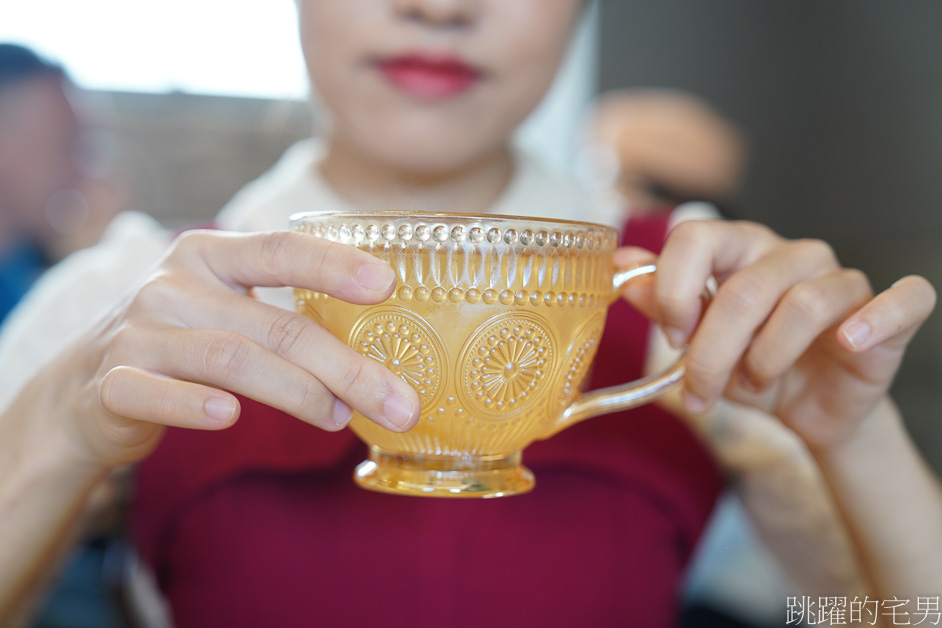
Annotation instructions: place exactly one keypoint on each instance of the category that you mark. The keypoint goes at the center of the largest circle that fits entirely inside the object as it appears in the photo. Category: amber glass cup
(494, 322)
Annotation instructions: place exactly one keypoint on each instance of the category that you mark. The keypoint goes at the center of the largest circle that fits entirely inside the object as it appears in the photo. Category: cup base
(444, 476)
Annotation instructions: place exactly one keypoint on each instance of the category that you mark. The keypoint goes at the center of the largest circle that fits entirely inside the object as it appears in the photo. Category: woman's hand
(190, 332)
(789, 331)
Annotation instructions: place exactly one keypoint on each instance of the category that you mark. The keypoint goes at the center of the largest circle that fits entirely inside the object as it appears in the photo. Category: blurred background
(839, 105)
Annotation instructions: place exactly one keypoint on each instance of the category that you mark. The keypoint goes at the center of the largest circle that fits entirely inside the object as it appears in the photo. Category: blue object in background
(81, 597)
(20, 266)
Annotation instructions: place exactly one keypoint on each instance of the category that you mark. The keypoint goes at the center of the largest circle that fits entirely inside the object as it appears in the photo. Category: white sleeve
(73, 293)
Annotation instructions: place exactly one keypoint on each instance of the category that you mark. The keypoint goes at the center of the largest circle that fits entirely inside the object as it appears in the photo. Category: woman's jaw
(424, 96)
(375, 185)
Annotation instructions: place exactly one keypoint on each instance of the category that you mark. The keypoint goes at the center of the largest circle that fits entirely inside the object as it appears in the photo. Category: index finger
(695, 251)
(287, 258)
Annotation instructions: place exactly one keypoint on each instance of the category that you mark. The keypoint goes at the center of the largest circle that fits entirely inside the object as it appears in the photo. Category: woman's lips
(429, 77)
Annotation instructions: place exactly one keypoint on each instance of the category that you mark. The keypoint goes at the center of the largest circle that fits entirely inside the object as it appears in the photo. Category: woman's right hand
(191, 331)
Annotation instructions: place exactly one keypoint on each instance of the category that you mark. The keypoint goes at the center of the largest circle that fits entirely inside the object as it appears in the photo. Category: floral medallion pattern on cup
(406, 345)
(579, 358)
(494, 322)
(506, 365)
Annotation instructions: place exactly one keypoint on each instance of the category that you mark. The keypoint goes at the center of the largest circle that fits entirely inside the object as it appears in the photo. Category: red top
(261, 524)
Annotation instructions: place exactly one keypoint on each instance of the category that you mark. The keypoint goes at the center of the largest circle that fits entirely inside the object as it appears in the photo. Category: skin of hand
(191, 331)
(789, 331)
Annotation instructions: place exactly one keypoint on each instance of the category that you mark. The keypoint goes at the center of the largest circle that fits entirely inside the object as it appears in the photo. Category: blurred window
(245, 48)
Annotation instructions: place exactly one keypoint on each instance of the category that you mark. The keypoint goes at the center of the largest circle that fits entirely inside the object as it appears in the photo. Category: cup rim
(426, 216)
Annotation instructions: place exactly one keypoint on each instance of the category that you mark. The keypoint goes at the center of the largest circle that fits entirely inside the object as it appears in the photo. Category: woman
(259, 524)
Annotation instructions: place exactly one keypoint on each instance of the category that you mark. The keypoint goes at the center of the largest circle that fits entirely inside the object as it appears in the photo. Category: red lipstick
(429, 77)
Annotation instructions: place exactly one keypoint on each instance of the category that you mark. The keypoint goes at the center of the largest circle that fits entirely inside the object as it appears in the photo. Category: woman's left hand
(789, 330)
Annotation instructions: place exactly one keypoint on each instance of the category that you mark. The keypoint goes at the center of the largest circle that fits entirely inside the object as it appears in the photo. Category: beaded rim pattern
(489, 296)
(404, 232)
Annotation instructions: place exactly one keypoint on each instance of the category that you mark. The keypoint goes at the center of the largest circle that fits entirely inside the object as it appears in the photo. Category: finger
(640, 290)
(287, 361)
(804, 313)
(363, 383)
(629, 255)
(741, 305)
(893, 315)
(693, 252)
(144, 396)
(286, 258)
(230, 361)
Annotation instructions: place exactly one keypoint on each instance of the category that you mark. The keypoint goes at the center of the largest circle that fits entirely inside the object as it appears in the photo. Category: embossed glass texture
(494, 322)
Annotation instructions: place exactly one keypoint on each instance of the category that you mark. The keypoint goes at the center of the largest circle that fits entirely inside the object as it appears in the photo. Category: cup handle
(624, 396)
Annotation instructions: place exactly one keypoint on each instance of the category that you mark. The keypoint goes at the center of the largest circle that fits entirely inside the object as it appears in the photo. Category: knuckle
(758, 231)
(808, 301)
(333, 262)
(672, 307)
(742, 293)
(228, 353)
(690, 231)
(325, 252)
(285, 333)
(354, 376)
(858, 278)
(313, 404)
(190, 242)
(124, 344)
(272, 250)
(817, 250)
(760, 368)
(124, 337)
(860, 283)
(156, 292)
(702, 372)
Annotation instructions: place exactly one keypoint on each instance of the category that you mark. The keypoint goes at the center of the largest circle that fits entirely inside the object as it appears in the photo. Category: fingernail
(693, 403)
(376, 277)
(398, 410)
(675, 336)
(342, 413)
(857, 333)
(220, 409)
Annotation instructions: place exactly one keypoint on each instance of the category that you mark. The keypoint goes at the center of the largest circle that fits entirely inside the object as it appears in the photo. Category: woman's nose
(439, 13)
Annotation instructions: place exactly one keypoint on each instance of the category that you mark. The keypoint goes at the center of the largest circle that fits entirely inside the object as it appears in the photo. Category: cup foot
(439, 476)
